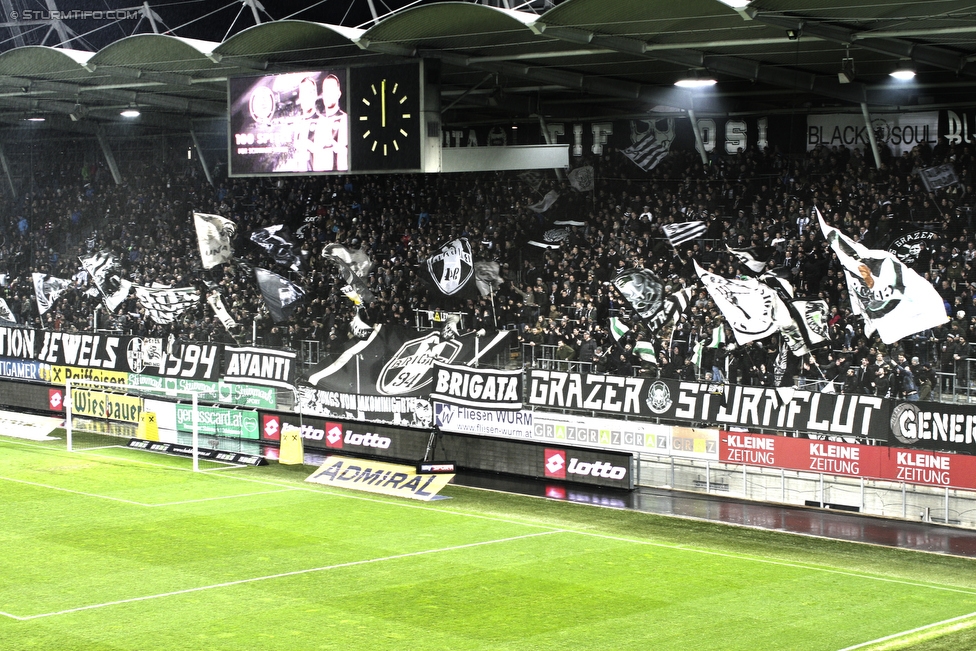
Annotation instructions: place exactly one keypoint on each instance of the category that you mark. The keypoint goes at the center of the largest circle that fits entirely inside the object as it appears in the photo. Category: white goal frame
(140, 391)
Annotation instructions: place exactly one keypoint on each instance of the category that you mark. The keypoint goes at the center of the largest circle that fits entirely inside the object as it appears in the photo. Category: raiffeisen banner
(378, 477)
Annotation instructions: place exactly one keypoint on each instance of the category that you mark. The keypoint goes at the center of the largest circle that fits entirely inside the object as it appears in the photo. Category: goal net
(105, 414)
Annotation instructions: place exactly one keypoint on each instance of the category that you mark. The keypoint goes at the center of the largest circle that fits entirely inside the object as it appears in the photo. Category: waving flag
(281, 296)
(5, 313)
(276, 241)
(647, 153)
(450, 270)
(754, 259)
(581, 178)
(749, 307)
(105, 271)
(354, 266)
(644, 293)
(683, 232)
(164, 304)
(214, 234)
(892, 298)
(47, 289)
(546, 202)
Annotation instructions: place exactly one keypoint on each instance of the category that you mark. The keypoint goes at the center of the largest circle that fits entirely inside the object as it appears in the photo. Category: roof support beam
(733, 66)
(926, 54)
(624, 90)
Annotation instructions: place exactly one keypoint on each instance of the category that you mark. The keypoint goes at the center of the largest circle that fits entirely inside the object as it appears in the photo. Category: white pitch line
(74, 492)
(287, 489)
(284, 489)
(281, 575)
(771, 561)
(905, 633)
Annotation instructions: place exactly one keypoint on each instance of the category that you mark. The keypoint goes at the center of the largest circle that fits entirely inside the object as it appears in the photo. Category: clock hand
(383, 103)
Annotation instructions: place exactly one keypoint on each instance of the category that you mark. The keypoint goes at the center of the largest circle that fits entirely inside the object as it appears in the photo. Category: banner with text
(725, 405)
(900, 132)
(849, 459)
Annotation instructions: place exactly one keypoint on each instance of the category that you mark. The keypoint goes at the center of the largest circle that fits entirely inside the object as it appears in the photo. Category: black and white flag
(165, 304)
(749, 307)
(354, 266)
(940, 176)
(276, 241)
(214, 235)
(581, 178)
(645, 294)
(487, 276)
(47, 289)
(647, 152)
(892, 298)
(5, 314)
(754, 259)
(216, 303)
(532, 179)
(280, 294)
(546, 202)
(105, 271)
(683, 232)
(554, 234)
(812, 317)
(450, 270)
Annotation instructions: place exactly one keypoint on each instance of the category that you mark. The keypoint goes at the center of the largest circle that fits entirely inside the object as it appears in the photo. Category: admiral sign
(729, 405)
(472, 387)
(379, 477)
(20, 369)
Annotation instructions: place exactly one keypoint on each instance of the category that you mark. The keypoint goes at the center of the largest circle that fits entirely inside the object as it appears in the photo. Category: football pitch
(118, 549)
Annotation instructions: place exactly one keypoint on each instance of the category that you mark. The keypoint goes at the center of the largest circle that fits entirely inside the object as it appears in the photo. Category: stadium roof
(579, 59)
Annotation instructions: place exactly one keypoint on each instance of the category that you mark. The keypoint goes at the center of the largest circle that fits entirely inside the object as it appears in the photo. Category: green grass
(124, 550)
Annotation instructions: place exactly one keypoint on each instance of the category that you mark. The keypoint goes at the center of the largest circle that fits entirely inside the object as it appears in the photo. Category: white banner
(899, 131)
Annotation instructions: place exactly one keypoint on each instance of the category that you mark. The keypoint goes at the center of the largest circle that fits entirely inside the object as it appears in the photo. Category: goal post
(100, 414)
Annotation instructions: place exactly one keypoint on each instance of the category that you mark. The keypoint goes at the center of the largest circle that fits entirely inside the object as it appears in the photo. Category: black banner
(937, 426)
(397, 361)
(724, 405)
(192, 361)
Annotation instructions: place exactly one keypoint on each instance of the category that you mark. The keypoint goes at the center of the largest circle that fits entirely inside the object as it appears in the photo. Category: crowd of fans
(559, 300)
